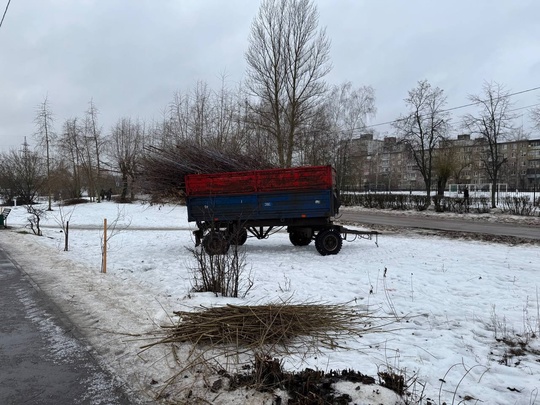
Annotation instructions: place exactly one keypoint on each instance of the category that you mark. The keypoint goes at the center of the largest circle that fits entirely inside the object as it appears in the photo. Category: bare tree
(315, 141)
(79, 148)
(288, 57)
(200, 113)
(22, 175)
(242, 130)
(45, 135)
(445, 164)
(93, 145)
(70, 148)
(223, 118)
(125, 150)
(535, 116)
(175, 128)
(348, 110)
(423, 128)
(493, 124)
(328, 138)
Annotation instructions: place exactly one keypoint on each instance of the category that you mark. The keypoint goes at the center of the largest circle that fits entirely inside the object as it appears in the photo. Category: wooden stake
(66, 246)
(104, 268)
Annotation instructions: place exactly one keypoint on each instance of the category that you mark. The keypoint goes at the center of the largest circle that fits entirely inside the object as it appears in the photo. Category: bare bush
(519, 205)
(36, 214)
(222, 274)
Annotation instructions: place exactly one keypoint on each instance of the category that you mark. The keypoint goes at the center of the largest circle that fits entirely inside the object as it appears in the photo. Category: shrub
(518, 205)
(222, 274)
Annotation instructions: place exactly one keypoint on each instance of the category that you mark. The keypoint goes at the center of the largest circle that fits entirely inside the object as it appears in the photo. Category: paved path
(442, 224)
(41, 362)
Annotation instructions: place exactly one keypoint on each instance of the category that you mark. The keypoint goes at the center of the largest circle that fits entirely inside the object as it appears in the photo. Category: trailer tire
(215, 243)
(239, 237)
(328, 242)
(299, 239)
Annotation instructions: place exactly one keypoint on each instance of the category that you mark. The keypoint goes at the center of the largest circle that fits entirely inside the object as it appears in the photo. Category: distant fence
(525, 203)
(475, 187)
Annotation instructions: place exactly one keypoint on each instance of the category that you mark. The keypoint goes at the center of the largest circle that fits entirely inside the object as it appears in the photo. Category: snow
(453, 312)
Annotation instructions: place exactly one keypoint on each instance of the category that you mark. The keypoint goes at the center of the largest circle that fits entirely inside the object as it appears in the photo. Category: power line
(5, 11)
(464, 106)
(522, 108)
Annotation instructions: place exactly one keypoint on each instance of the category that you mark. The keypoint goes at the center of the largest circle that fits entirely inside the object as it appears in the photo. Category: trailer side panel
(263, 206)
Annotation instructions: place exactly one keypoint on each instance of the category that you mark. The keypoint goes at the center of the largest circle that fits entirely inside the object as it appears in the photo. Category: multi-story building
(381, 165)
(386, 164)
(533, 166)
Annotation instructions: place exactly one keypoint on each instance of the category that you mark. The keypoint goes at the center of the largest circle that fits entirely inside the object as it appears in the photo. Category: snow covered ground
(465, 314)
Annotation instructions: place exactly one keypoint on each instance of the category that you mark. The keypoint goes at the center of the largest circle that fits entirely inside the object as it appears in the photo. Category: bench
(5, 212)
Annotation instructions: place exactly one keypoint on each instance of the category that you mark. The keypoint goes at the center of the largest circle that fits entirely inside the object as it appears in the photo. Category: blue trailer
(228, 206)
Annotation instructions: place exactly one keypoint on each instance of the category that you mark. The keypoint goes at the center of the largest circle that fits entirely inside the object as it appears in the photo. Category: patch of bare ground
(508, 240)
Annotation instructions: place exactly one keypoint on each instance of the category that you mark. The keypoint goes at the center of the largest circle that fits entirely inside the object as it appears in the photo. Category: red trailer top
(261, 181)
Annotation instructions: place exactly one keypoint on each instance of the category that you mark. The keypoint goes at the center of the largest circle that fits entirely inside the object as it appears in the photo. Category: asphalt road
(442, 224)
(41, 360)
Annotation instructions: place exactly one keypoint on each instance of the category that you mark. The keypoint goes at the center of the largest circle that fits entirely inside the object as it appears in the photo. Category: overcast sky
(131, 56)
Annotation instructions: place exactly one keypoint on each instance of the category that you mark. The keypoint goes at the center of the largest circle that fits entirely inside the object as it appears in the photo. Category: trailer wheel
(299, 239)
(239, 237)
(328, 242)
(215, 243)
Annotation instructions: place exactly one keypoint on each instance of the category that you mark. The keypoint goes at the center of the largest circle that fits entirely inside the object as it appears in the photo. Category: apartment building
(386, 164)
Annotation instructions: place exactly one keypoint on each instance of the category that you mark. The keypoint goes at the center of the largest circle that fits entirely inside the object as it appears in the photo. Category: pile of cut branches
(224, 340)
(163, 170)
(254, 327)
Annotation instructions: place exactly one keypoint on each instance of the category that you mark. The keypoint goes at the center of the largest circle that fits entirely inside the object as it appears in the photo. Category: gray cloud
(131, 56)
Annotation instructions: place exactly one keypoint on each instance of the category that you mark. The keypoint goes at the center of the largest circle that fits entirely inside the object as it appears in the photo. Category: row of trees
(426, 128)
(285, 111)
(82, 156)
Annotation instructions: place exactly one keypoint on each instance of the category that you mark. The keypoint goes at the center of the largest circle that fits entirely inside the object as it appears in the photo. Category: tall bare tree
(423, 128)
(93, 144)
(70, 147)
(493, 124)
(45, 134)
(125, 151)
(288, 57)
